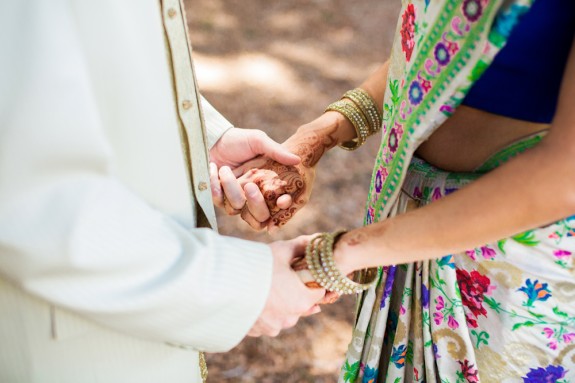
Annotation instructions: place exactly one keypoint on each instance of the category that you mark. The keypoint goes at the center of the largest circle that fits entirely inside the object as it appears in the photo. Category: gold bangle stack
(366, 104)
(359, 108)
(319, 257)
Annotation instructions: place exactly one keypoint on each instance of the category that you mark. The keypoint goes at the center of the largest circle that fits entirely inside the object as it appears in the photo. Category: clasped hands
(267, 190)
(267, 183)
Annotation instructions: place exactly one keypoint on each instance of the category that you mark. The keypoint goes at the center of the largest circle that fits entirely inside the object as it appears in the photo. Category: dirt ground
(274, 66)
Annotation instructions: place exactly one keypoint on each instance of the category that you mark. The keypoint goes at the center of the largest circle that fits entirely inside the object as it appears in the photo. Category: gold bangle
(357, 119)
(319, 257)
(367, 106)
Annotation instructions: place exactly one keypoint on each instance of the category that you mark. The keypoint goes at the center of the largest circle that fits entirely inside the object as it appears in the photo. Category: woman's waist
(470, 137)
(426, 182)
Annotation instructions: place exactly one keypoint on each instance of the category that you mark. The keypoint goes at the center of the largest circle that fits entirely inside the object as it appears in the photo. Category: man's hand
(289, 299)
(234, 148)
(237, 146)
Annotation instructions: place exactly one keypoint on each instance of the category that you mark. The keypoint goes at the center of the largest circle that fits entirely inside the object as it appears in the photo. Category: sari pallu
(488, 314)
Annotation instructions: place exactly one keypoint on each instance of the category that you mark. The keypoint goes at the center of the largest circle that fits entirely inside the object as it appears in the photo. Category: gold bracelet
(366, 104)
(357, 119)
(319, 257)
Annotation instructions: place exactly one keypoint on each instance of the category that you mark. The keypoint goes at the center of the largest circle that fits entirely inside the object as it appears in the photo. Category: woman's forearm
(529, 191)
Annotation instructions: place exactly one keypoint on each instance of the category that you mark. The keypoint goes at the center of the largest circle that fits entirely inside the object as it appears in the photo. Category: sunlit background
(274, 66)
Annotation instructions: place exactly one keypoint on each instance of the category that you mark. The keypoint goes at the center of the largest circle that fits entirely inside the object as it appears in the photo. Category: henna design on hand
(354, 238)
(275, 179)
(312, 146)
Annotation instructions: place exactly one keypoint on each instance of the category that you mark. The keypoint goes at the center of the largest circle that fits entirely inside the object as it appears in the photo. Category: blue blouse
(524, 79)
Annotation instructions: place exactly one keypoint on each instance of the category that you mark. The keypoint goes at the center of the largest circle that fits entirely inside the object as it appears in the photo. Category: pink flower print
(471, 254)
(425, 85)
(402, 310)
(452, 323)
(440, 303)
(487, 252)
(548, 332)
(417, 193)
(399, 129)
(452, 47)
(436, 194)
(469, 371)
(554, 235)
(552, 345)
(370, 216)
(447, 109)
(569, 337)
(562, 253)
(438, 318)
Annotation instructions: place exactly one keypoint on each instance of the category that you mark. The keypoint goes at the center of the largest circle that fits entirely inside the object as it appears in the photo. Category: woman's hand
(310, 142)
(276, 183)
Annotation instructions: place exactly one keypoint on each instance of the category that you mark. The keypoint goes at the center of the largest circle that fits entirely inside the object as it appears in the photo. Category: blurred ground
(274, 66)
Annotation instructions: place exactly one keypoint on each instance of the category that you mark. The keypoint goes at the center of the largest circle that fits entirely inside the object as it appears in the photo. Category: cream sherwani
(102, 176)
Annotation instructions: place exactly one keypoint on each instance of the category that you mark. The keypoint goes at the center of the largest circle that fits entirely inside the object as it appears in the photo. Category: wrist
(333, 122)
(312, 140)
(343, 257)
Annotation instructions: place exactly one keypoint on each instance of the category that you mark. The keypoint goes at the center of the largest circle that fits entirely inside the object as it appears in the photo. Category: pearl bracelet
(319, 258)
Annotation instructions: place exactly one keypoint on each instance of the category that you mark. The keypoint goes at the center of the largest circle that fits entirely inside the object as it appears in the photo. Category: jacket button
(186, 104)
(172, 13)
(202, 186)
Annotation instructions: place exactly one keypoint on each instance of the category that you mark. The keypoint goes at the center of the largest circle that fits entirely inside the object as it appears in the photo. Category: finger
(265, 329)
(217, 194)
(234, 194)
(284, 201)
(280, 218)
(300, 243)
(256, 202)
(290, 322)
(256, 163)
(315, 309)
(250, 220)
(268, 147)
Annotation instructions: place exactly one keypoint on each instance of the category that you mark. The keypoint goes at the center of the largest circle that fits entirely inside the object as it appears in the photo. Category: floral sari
(498, 313)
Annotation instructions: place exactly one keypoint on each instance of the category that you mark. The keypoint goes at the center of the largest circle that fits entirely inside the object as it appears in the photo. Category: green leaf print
(559, 312)
(394, 88)
(492, 303)
(522, 324)
(350, 371)
(409, 354)
(538, 316)
(482, 337)
(501, 244)
(478, 70)
(527, 238)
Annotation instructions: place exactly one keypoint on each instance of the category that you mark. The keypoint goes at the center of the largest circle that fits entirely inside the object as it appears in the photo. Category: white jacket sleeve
(71, 231)
(216, 124)
(87, 244)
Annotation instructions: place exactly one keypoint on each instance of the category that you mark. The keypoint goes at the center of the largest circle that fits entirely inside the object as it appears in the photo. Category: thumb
(275, 151)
